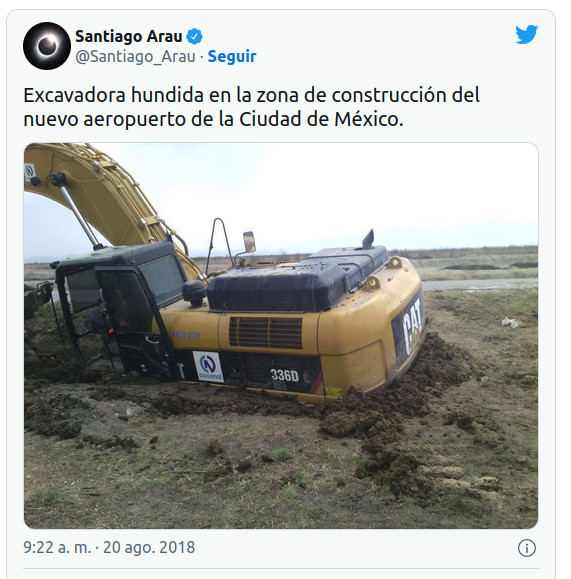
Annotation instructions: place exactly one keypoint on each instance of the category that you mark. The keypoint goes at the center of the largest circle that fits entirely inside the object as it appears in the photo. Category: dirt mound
(238, 402)
(53, 414)
(438, 366)
(378, 417)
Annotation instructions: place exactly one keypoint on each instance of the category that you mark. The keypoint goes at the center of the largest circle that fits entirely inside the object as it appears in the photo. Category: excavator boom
(106, 196)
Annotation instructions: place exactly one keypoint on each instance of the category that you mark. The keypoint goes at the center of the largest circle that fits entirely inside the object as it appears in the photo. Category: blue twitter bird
(526, 35)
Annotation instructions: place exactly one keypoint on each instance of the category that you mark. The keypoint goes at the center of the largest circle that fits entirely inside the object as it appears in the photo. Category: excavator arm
(104, 194)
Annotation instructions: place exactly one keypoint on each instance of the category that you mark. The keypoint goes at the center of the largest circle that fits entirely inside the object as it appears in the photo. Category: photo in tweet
(355, 395)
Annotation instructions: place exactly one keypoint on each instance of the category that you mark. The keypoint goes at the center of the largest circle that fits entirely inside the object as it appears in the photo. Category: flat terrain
(452, 445)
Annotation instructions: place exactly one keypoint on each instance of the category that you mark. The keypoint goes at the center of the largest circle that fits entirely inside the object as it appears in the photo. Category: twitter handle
(120, 56)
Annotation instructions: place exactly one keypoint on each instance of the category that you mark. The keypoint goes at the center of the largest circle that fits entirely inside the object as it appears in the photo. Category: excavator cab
(117, 293)
(135, 322)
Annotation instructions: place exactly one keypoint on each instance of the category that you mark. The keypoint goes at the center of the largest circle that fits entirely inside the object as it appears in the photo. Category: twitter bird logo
(527, 35)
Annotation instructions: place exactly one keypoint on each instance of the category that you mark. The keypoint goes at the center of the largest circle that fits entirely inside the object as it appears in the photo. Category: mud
(453, 444)
(379, 417)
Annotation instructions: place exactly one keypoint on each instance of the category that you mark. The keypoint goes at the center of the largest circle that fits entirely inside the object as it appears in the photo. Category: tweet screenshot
(288, 295)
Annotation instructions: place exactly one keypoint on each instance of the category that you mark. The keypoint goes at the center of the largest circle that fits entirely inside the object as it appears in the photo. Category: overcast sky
(304, 197)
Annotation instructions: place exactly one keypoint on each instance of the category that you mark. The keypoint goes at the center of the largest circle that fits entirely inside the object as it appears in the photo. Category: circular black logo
(47, 45)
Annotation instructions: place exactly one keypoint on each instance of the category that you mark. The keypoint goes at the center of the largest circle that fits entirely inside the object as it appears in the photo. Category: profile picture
(47, 45)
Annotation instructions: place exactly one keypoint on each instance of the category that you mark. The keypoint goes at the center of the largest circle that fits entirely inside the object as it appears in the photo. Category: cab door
(136, 323)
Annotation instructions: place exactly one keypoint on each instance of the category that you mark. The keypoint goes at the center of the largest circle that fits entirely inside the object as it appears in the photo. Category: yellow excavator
(340, 318)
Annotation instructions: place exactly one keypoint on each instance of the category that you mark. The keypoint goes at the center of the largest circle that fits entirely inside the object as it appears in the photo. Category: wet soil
(453, 444)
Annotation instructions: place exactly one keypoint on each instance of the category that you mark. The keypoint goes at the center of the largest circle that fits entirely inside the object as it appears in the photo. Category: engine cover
(315, 284)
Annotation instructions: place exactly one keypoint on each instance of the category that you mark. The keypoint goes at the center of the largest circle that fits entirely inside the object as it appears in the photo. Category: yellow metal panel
(363, 369)
(355, 339)
(191, 328)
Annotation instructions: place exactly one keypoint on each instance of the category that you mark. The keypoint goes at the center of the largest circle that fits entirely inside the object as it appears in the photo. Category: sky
(303, 197)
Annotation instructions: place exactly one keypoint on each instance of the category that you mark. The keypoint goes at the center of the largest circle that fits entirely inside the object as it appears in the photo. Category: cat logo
(408, 328)
(412, 325)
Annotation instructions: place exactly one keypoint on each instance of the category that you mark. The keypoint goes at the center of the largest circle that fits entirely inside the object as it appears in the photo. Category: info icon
(47, 45)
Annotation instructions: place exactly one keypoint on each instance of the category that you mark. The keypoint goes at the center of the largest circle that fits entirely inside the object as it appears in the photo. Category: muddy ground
(452, 445)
